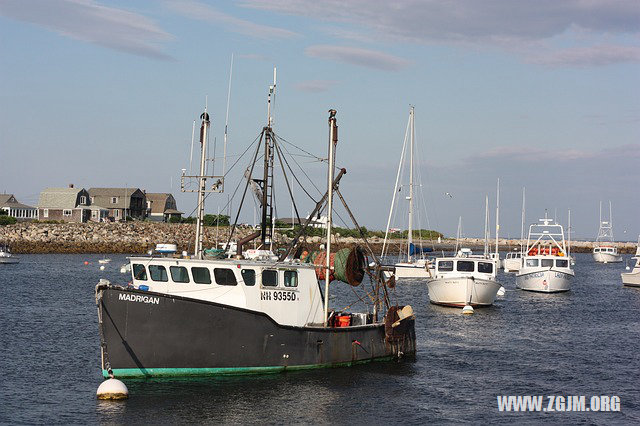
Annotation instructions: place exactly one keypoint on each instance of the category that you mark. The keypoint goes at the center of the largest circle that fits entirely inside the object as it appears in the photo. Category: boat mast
(333, 141)
(497, 219)
(486, 226)
(266, 223)
(204, 127)
(522, 224)
(410, 239)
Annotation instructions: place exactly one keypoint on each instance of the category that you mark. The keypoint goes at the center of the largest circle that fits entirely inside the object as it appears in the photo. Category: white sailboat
(603, 252)
(513, 260)
(415, 265)
(632, 279)
(6, 256)
(546, 263)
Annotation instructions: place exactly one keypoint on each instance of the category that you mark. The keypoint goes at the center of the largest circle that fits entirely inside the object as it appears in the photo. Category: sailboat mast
(486, 225)
(410, 236)
(333, 141)
(522, 223)
(204, 127)
(497, 219)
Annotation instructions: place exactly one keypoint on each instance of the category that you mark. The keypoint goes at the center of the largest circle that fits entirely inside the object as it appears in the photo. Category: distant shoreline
(139, 237)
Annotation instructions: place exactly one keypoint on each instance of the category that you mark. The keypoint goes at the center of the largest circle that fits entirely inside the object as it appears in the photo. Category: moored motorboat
(632, 279)
(191, 315)
(605, 251)
(6, 256)
(512, 261)
(463, 279)
(545, 264)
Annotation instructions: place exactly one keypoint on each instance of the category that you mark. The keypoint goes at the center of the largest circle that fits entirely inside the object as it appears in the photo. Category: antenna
(226, 123)
(272, 92)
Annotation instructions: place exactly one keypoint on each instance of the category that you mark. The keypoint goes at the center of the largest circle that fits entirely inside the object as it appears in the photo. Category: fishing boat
(6, 256)
(464, 279)
(546, 263)
(193, 315)
(605, 251)
(632, 279)
(512, 261)
(412, 262)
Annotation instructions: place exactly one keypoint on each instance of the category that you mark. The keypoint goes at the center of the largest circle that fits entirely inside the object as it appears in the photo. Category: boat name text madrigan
(139, 298)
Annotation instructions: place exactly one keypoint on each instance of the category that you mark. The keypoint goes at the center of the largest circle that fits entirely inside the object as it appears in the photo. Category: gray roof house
(14, 208)
(121, 202)
(69, 205)
(161, 206)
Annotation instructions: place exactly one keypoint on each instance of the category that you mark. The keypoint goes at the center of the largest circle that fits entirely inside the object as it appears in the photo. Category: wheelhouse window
(139, 272)
(269, 278)
(179, 274)
(201, 275)
(224, 276)
(465, 266)
(532, 262)
(547, 263)
(485, 267)
(249, 277)
(158, 273)
(291, 278)
(562, 263)
(445, 265)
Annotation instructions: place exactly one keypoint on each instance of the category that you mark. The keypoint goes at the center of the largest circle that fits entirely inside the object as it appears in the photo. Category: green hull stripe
(192, 372)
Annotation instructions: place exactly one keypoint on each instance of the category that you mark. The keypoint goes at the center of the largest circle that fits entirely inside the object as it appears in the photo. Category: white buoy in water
(467, 310)
(102, 267)
(112, 389)
(501, 291)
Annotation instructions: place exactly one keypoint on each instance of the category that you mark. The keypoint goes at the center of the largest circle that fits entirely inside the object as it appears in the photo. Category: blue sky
(541, 94)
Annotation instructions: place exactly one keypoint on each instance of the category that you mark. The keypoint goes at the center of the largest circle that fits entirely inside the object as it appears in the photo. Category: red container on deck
(343, 320)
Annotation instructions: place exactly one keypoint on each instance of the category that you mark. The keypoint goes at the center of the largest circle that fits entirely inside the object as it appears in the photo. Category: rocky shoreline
(139, 237)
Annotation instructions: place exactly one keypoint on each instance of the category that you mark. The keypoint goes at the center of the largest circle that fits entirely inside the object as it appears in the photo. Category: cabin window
(562, 263)
(66, 212)
(201, 275)
(139, 272)
(224, 276)
(158, 273)
(249, 277)
(547, 263)
(445, 265)
(532, 262)
(270, 278)
(290, 278)
(485, 267)
(179, 274)
(465, 266)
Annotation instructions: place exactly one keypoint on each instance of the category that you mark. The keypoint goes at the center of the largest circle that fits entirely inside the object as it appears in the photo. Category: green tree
(7, 220)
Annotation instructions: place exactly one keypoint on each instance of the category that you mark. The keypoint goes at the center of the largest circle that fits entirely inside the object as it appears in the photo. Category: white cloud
(200, 11)
(357, 56)
(92, 22)
(588, 56)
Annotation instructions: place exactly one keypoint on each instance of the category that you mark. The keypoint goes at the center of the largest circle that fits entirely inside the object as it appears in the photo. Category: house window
(94, 214)
(224, 276)
(66, 212)
(114, 200)
(93, 200)
(116, 213)
(148, 204)
(45, 213)
(83, 200)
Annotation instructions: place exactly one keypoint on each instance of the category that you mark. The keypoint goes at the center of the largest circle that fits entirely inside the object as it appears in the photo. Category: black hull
(148, 334)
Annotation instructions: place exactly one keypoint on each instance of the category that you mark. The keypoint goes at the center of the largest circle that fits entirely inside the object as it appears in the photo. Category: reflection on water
(585, 342)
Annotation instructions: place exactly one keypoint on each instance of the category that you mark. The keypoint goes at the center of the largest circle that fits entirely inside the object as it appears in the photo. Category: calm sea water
(585, 342)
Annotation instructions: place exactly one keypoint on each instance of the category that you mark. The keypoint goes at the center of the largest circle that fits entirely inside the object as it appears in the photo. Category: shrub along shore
(139, 237)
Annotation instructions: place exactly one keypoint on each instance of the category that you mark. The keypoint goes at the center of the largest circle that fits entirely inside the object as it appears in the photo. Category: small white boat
(546, 265)
(512, 261)
(104, 261)
(463, 280)
(420, 268)
(6, 256)
(606, 253)
(632, 279)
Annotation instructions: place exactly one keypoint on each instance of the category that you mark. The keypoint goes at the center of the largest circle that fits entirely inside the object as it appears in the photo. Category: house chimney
(70, 185)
